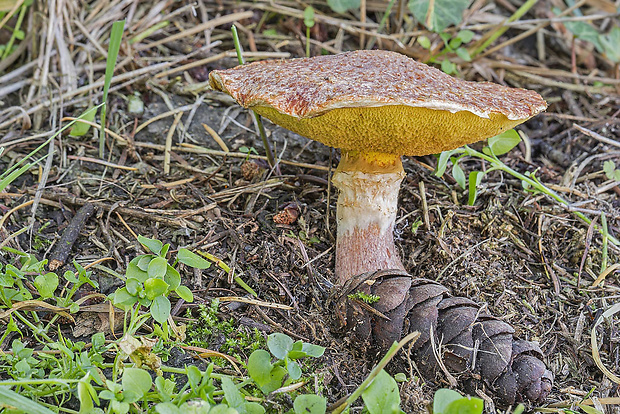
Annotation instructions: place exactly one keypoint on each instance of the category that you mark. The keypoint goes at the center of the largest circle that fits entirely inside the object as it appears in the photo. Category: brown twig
(63, 248)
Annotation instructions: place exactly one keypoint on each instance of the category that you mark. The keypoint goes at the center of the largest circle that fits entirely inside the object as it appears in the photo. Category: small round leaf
(133, 286)
(502, 143)
(425, 42)
(192, 259)
(154, 288)
(46, 284)
(294, 370)
(279, 344)
(151, 244)
(136, 380)
(157, 267)
(184, 293)
(160, 309)
(172, 277)
(310, 404)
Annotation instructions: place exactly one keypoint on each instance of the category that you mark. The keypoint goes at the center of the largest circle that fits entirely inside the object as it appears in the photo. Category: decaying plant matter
(459, 338)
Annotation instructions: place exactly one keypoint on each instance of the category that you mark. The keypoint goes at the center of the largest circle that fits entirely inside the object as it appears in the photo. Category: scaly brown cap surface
(379, 101)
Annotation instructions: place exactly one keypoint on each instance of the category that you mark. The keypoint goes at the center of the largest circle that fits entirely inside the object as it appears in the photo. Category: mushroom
(376, 106)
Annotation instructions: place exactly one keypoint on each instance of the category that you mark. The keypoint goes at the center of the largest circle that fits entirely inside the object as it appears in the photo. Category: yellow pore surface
(393, 129)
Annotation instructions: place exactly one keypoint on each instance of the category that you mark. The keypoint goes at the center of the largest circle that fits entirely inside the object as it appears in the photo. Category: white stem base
(367, 207)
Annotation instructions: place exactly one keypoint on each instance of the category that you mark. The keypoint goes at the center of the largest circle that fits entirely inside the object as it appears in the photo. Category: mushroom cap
(378, 101)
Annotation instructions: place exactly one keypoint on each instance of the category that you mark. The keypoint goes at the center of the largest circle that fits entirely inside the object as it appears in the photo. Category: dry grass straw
(70, 43)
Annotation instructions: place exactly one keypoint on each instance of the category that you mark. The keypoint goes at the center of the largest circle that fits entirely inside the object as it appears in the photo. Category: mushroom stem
(367, 206)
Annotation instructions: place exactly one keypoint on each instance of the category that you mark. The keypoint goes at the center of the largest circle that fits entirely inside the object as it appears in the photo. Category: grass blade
(18, 169)
(500, 29)
(16, 173)
(340, 407)
(115, 44)
(12, 399)
(238, 47)
(257, 119)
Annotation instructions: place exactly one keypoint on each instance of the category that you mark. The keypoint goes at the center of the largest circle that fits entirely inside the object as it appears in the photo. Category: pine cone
(474, 346)
(250, 170)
